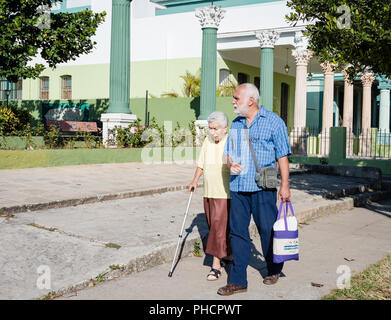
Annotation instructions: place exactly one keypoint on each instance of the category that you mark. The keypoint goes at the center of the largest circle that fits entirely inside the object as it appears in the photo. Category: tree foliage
(25, 34)
(348, 32)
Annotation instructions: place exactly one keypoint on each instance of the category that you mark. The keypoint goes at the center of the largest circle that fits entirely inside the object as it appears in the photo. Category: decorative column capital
(384, 83)
(328, 68)
(210, 17)
(367, 79)
(267, 38)
(302, 56)
(346, 76)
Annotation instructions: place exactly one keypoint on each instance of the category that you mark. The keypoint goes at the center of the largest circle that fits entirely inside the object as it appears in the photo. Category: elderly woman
(212, 165)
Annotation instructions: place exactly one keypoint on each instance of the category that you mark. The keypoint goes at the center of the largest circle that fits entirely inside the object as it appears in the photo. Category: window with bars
(14, 89)
(3, 87)
(66, 87)
(44, 88)
(257, 82)
(223, 76)
(242, 78)
(19, 87)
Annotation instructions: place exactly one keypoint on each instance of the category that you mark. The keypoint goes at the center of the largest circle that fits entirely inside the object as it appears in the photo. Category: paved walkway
(332, 248)
(78, 243)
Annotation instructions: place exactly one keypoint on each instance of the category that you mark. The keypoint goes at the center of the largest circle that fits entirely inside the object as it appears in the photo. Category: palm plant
(227, 89)
(192, 85)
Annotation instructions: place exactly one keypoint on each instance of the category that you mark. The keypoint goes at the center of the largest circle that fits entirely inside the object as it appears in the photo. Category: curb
(370, 173)
(7, 211)
(166, 254)
(295, 169)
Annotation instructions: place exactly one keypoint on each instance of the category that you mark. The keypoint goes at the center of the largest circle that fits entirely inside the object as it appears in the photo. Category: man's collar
(262, 111)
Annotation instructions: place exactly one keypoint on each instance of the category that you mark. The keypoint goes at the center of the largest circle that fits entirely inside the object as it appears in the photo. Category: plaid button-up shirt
(269, 137)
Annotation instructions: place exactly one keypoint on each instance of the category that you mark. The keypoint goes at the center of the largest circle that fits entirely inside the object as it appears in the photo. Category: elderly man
(269, 138)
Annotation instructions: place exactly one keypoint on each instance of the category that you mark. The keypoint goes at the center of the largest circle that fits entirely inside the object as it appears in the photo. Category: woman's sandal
(214, 274)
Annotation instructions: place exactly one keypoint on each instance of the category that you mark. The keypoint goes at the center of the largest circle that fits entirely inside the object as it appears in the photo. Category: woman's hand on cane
(192, 185)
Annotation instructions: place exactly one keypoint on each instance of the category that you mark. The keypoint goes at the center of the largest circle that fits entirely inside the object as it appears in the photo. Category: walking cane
(180, 236)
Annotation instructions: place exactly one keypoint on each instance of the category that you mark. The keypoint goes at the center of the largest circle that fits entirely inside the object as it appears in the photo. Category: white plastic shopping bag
(286, 235)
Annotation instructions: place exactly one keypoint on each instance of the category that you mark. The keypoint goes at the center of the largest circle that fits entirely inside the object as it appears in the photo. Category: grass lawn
(19, 159)
(374, 283)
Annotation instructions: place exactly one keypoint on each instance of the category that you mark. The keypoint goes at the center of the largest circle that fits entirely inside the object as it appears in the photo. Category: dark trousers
(262, 205)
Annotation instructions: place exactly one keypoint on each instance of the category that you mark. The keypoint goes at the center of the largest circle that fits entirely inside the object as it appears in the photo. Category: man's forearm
(283, 163)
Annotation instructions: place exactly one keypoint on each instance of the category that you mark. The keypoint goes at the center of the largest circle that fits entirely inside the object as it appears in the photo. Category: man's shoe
(271, 279)
(231, 288)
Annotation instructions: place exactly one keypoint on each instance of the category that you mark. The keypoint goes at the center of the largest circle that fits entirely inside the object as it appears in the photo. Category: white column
(302, 56)
(328, 106)
(366, 134)
(384, 112)
(328, 95)
(366, 80)
(348, 102)
(348, 113)
(384, 136)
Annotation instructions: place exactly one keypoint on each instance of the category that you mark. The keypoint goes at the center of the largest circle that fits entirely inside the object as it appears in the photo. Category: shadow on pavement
(380, 208)
(202, 227)
(320, 185)
(257, 261)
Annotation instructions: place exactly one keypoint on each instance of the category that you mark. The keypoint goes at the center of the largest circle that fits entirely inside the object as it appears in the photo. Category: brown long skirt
(217, 215)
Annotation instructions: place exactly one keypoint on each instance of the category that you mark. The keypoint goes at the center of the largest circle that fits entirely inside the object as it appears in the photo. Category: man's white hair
(251, 90)
(218, 117)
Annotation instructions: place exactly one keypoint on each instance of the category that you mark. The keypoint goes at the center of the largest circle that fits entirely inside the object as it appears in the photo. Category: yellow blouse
(215, 170)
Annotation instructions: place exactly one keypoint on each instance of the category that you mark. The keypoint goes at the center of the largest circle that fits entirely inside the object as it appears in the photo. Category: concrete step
(386, 185)
(386, 182)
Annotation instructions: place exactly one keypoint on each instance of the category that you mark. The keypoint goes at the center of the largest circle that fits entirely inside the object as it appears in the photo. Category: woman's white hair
(251, 90)
(218, 117)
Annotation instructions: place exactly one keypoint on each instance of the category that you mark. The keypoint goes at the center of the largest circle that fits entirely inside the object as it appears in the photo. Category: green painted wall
(183, 110)
(91, 82)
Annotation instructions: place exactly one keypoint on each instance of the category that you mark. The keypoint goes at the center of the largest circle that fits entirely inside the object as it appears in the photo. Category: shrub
(89, 139)
(13, 119)
(52, 137)
(131, 136)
